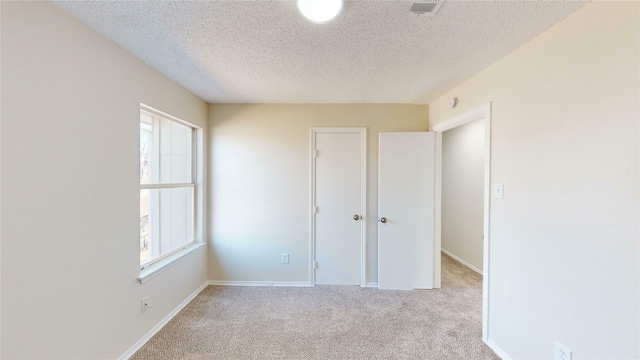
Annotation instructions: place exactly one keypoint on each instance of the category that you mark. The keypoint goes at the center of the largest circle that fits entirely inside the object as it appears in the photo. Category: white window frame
(157, 265)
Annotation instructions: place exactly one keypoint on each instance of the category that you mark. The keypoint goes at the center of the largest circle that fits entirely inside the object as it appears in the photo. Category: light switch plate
(498, 191)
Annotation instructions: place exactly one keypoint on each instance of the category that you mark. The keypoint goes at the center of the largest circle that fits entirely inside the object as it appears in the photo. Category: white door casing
(406, 197)
(338, 194)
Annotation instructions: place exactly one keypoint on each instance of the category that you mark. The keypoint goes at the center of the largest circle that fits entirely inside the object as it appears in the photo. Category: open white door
(406, 193)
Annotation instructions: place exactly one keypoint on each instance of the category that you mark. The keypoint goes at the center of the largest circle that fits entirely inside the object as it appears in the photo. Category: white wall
(463, 192)
(564, 247)
(70, 125)
(259, 181)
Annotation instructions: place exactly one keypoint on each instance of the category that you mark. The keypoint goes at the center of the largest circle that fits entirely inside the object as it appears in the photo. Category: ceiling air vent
(426, 7)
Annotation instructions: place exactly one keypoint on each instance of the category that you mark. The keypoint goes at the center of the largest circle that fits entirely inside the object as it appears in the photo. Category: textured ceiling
(265, 52)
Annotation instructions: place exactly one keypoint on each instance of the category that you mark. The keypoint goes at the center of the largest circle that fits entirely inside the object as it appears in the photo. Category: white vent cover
(426, 7)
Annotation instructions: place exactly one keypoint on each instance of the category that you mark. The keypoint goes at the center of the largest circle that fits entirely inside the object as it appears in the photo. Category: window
(167, 186)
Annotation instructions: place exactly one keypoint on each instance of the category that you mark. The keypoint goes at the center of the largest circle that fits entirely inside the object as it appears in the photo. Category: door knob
(383, 220)
(356, 217)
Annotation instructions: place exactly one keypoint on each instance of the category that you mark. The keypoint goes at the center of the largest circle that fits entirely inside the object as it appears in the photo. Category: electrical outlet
(144, 304)
(285, 258)
(562, 353)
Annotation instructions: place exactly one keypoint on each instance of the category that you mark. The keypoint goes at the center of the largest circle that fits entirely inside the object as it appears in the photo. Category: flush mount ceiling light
(319, 11)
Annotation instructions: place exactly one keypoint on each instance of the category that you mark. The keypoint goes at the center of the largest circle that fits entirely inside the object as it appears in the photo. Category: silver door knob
(383, 220)
(356, 217)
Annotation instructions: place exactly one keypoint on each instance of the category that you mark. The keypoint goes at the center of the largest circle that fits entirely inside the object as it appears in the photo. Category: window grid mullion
(166, 186)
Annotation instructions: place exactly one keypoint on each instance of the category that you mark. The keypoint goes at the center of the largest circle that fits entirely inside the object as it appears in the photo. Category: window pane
(175, 152)
(165, 150)
(166, 221)
(145, 143)
(144, 226)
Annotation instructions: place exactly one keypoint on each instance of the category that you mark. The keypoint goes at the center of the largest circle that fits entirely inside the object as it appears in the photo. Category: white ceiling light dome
(320, 11)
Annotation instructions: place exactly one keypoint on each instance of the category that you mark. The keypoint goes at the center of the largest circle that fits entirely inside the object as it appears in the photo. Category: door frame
(481, 112)
(363, 196)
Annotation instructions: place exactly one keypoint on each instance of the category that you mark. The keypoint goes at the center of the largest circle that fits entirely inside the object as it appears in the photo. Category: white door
(338, 200)
(406, 193)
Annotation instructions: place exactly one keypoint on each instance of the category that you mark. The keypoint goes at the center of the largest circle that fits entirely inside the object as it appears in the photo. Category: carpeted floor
(329, 322)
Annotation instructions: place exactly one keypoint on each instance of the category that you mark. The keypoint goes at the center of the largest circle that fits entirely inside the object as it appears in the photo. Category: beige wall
(70, 232)
(463, 192)
(259, 181)
(565, 139)
(564, 240)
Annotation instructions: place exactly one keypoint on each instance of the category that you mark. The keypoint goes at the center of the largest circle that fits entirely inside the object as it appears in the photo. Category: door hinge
(315, 264)
(315, 153)
(315, 209)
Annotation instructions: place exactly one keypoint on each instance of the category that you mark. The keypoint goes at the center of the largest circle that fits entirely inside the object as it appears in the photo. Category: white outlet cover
(498, 191)
(562, 352)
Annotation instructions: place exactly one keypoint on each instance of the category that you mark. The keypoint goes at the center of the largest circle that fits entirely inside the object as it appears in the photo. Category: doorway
(462, 193)
(338, 206)
(482, 113)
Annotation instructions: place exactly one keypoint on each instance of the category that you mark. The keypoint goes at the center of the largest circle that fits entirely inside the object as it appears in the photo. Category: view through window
(167, 186)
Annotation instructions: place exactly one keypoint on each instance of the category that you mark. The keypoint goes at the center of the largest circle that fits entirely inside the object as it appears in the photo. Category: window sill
(155, 269)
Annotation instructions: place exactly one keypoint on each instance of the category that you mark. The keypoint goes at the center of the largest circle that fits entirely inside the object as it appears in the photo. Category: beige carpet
(329, 322)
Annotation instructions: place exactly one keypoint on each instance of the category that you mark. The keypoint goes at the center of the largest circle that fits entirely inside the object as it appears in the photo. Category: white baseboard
(462, 262)
(372, 284)
(162, 323)
(259, 283)
(497, 350)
